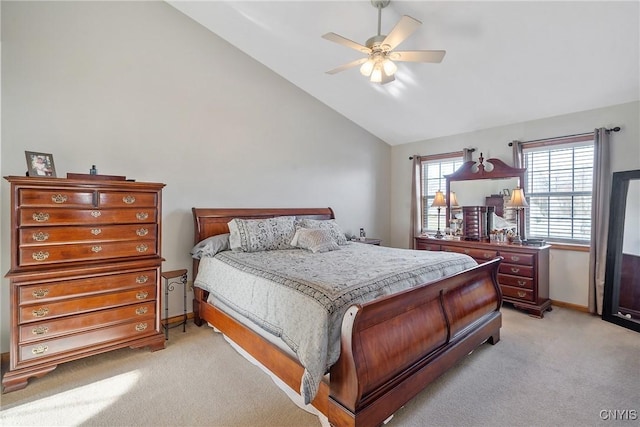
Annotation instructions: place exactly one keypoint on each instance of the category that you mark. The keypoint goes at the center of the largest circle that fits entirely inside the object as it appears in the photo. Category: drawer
(90, 340)
(51, 216)
(516, 270)
(423, 246)
(478, 254)
(46, 292)
(517, 258)
(83, 322)
(71, 234)
(517, 293)
(55, 197)
(55, 254)
(37, 312)
(521, 282)
(119, 199)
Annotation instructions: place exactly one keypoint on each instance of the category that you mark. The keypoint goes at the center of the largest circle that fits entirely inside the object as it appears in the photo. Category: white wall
(568, 270)
(140, 90)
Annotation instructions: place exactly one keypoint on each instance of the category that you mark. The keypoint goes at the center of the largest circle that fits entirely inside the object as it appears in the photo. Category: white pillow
(329, 224)
(315, 240)
(254, 235)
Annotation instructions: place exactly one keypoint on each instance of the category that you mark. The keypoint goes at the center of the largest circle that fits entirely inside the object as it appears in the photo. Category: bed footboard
(394, 346)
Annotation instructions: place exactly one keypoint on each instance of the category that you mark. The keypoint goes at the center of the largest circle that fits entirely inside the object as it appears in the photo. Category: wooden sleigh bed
(391, 348)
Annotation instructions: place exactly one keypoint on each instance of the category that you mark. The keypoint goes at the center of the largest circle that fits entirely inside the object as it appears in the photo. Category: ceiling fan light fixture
(390, 67)
(376, 74)
(367, 68)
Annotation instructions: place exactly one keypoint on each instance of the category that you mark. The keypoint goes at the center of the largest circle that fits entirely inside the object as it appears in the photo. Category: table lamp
(439, 202)
(517, 202)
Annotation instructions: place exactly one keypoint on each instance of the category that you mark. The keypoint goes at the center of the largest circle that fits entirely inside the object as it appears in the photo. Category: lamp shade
(438, 200)
(517, 199)
(452, 199)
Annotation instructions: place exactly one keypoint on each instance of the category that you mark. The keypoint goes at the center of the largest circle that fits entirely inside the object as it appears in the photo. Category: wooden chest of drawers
(85, 271)
(523, 275)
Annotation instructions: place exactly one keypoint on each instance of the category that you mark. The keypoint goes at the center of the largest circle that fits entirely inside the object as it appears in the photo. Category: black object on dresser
(523, 275)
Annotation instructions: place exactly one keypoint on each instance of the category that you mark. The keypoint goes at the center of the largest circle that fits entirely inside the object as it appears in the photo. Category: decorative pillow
(315, 240)
(254, 235)
(330, 225)
(211, 246)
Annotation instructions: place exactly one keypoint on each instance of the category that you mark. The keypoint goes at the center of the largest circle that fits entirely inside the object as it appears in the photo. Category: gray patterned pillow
(315, 240)
(330, 225)
(254, 235)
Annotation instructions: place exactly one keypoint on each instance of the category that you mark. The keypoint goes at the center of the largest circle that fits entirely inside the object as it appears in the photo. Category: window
(558, 185)
(432, 172)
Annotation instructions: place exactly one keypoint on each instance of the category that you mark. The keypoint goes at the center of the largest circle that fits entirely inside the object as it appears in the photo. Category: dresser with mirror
(482, 189)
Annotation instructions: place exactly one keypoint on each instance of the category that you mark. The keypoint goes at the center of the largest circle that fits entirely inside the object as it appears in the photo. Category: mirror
(474, 182)
(622, 278)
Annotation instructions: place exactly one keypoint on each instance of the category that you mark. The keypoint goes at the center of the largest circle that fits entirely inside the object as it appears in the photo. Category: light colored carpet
(561, 370)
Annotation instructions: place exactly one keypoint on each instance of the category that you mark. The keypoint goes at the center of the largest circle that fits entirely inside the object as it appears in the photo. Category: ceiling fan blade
(418, 55)
(403, 29)
(346, 42)
(348, 65)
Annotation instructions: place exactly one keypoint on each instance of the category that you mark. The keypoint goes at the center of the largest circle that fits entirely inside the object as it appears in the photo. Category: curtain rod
(615, 129)
(471, 150)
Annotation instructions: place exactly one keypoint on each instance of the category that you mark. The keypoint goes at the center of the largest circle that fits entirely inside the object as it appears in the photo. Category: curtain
(416, 218)
(518, 159)
(599, 219)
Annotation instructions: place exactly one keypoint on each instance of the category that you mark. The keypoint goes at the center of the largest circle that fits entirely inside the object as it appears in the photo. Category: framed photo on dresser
(40, 164)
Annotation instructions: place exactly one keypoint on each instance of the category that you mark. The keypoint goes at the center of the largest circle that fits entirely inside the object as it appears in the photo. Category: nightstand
(172, 278)
(368, 241)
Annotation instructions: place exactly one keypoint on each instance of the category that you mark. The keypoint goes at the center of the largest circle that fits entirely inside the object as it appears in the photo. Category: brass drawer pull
(96, 249)
(129, 200)
(141, 327)
(142, 279)
(41, 312)
(40, 217)
(142, 295)
(514, 269)
(522, 294)
(142, 232)
(142, 248)
(40, 330)
(466, 251)
(58, 198)
(96, 231)
(40, 256)
(96, 214)
(515, 258)
(40, 293)
(142, 216)
(141, 310)
(486, 255)
(522, 283)
(41, 349)
(40, 236)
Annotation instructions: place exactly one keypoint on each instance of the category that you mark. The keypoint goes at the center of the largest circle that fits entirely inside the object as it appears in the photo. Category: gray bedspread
(301, 297)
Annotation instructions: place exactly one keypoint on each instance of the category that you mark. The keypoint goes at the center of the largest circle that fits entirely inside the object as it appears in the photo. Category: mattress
(301, 297)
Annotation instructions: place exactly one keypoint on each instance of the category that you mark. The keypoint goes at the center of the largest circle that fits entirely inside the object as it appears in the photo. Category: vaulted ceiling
(506, 62)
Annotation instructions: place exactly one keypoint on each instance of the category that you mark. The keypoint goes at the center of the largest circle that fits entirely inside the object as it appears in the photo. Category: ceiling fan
(379, 64)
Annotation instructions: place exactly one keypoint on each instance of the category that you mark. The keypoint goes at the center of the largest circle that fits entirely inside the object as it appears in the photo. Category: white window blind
(558, 185)
(432, 179)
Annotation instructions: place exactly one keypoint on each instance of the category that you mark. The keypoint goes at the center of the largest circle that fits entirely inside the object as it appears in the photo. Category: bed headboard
(209, 222)
(212, 221)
